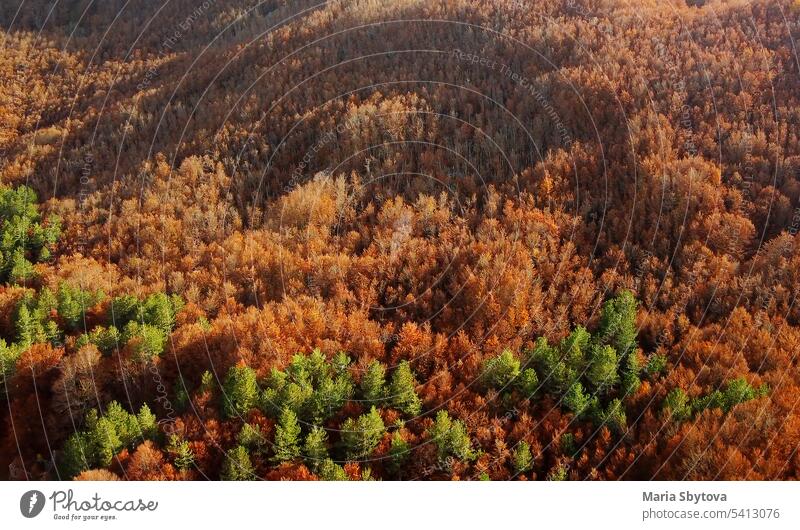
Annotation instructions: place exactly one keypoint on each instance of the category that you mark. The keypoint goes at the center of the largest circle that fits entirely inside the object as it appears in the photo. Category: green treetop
(361, 436)
(240, 391)
(237, 465)
(402, 390)
(373, 383)
(287, 437)
(25, 238)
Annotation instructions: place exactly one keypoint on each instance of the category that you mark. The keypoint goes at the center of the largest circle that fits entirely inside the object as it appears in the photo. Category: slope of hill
(400, 239)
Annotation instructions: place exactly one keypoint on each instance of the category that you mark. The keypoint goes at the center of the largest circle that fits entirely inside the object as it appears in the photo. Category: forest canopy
(399, 240)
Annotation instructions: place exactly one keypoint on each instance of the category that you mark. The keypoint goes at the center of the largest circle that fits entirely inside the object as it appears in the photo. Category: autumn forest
(399, 240)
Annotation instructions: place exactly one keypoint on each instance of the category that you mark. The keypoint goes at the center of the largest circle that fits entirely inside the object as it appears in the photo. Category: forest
(399, 240)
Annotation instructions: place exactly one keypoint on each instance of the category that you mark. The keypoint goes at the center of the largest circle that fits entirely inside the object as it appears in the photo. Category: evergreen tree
(602, 373)
(576, 400)
(240, 391)
(656, 364)
(567, 442)
(104, 439)
(206, 382)
(182, 454)
(329, 396)
(714, 400)
(738, 391)
(251, 437)
(107, 340)
(159, 310)
(677, 405)
(26, 327)
(72, 304)
(574, 347)
(146, 341)
(553, 372)
(77, 455)
(315, 448)
(558, 473)
(125, 429)
(237, 465)
(630, 374)
(148, 425)
(399, 451)
(460, 444)
(123, 309)
(500, 371)
(8, 363)
(361, 436)
(24, 237)
(331, 471)
(523, 459)
(373, 383)
(614, 416)
(528, 383)
(618, 323)
(20, 270)
(451, 437)
(402, 390)
(340, 363)
(287, 437)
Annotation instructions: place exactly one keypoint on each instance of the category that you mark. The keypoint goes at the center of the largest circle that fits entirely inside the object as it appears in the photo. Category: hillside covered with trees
(399, 240)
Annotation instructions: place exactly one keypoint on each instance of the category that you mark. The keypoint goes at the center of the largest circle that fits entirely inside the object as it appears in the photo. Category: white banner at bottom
(388, 505)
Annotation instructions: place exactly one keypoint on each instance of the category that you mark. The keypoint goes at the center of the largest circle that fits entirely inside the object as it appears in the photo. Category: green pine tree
(287, 437)
(402, 390)
(602, 373)
(450, 437)
(237, 465)
(251, 437)
(240, 391)
(181, 452)
(77, 455)
(576, 400)
(373, 383)
(315, 449)
(399, 451)
(677, 405)
(361, 436)
(499, 372)
(148, 425)
(618, 323)
(331, 471)
(523, 459)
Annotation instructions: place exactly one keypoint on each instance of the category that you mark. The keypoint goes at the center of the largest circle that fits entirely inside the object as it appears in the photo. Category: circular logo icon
(31, 503)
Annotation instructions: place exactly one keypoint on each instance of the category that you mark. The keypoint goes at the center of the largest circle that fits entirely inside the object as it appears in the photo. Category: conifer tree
(373, 383)
(240, 391)
(618, 323)
(77, 455)
(602, 373)
(237, 465)
(287, 437)
(500, 371)
(399, 451)
(676, 405)
(148, 425)
(315, 448)
(361, 436)
(182, 454)
(331, 471)
(251, 437)
(450, 437)
(402, 390)
(523, 459)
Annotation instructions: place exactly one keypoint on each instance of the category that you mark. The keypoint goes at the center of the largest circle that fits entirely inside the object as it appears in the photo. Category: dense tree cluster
(382, 239)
